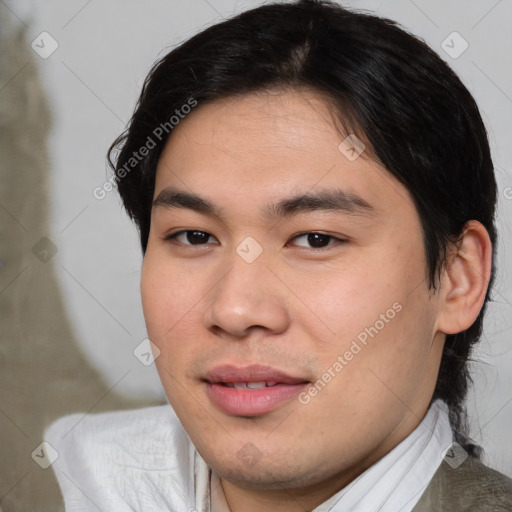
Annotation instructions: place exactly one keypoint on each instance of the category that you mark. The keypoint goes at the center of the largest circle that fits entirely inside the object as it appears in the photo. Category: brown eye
(316, 240)
(190, 237)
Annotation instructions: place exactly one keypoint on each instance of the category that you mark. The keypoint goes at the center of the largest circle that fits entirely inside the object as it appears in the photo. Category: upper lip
(252, 373)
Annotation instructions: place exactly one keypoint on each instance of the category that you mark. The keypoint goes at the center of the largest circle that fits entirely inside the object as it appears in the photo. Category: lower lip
(251, 402)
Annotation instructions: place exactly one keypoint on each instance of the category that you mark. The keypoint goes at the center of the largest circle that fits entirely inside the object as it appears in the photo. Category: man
(315, 198)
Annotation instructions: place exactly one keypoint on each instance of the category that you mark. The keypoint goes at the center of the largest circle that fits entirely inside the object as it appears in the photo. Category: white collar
(143, 460)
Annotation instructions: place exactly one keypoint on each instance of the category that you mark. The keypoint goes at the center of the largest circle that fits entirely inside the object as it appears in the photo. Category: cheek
(377, 312)
(155, 294)
(349, 298)
(171, 301)
(168, 294)
(162, 312)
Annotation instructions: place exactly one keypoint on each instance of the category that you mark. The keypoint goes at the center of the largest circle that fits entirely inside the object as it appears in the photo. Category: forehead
(262, 147)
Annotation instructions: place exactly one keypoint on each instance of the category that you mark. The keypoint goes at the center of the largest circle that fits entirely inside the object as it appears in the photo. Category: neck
(302, 495)
(285, 500)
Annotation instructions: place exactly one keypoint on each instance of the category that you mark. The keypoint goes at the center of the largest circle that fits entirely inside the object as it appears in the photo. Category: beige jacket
(470, 487)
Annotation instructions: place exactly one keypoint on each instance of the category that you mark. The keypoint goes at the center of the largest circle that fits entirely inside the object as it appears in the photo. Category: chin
(271, 471)
(263, 478)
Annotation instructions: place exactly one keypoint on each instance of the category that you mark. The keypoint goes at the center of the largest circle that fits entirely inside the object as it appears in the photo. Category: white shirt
(143, 460)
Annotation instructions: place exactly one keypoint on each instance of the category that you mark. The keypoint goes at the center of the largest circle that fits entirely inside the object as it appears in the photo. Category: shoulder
(117, 457)
(471, 486)
(86, 435)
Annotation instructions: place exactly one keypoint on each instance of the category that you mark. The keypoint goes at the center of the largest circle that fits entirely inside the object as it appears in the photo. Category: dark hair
(382, 84)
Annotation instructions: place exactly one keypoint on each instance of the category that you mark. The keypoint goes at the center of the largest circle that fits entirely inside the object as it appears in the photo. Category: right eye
(190, 237)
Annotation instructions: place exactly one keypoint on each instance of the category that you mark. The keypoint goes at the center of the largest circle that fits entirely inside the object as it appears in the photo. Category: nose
(249, 296)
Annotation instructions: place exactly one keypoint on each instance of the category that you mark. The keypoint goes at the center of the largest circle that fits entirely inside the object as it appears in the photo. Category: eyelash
(337, 240)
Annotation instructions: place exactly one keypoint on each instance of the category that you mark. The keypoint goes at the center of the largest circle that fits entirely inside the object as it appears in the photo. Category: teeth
(256, 385)
(251, 385)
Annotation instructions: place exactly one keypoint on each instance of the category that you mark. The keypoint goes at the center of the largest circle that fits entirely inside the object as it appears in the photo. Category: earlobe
(465, 280)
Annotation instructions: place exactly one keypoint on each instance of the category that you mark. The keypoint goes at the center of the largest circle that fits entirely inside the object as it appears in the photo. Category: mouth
(252, 390)
(249, 385)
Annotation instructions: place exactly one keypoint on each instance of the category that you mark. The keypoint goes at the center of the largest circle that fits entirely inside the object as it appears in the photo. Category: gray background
(92, 81)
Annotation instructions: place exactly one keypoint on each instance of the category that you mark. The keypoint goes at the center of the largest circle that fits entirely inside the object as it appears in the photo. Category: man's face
(323, 307)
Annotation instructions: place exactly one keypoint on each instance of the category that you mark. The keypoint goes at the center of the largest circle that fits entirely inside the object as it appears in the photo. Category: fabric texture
(470, 487)
(143, 460)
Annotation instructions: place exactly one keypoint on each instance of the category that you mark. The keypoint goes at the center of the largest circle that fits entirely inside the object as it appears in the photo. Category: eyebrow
(336, 200)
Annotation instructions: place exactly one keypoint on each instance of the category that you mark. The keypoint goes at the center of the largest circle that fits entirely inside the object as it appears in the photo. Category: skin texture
(295, 307)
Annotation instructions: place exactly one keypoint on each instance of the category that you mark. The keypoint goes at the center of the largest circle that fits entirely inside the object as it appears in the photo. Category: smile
(252, 390)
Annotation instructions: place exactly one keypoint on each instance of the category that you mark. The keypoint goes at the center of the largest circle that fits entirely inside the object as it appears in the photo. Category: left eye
(316, 240)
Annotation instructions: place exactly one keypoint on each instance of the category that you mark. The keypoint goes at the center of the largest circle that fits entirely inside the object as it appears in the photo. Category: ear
(465, 280)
